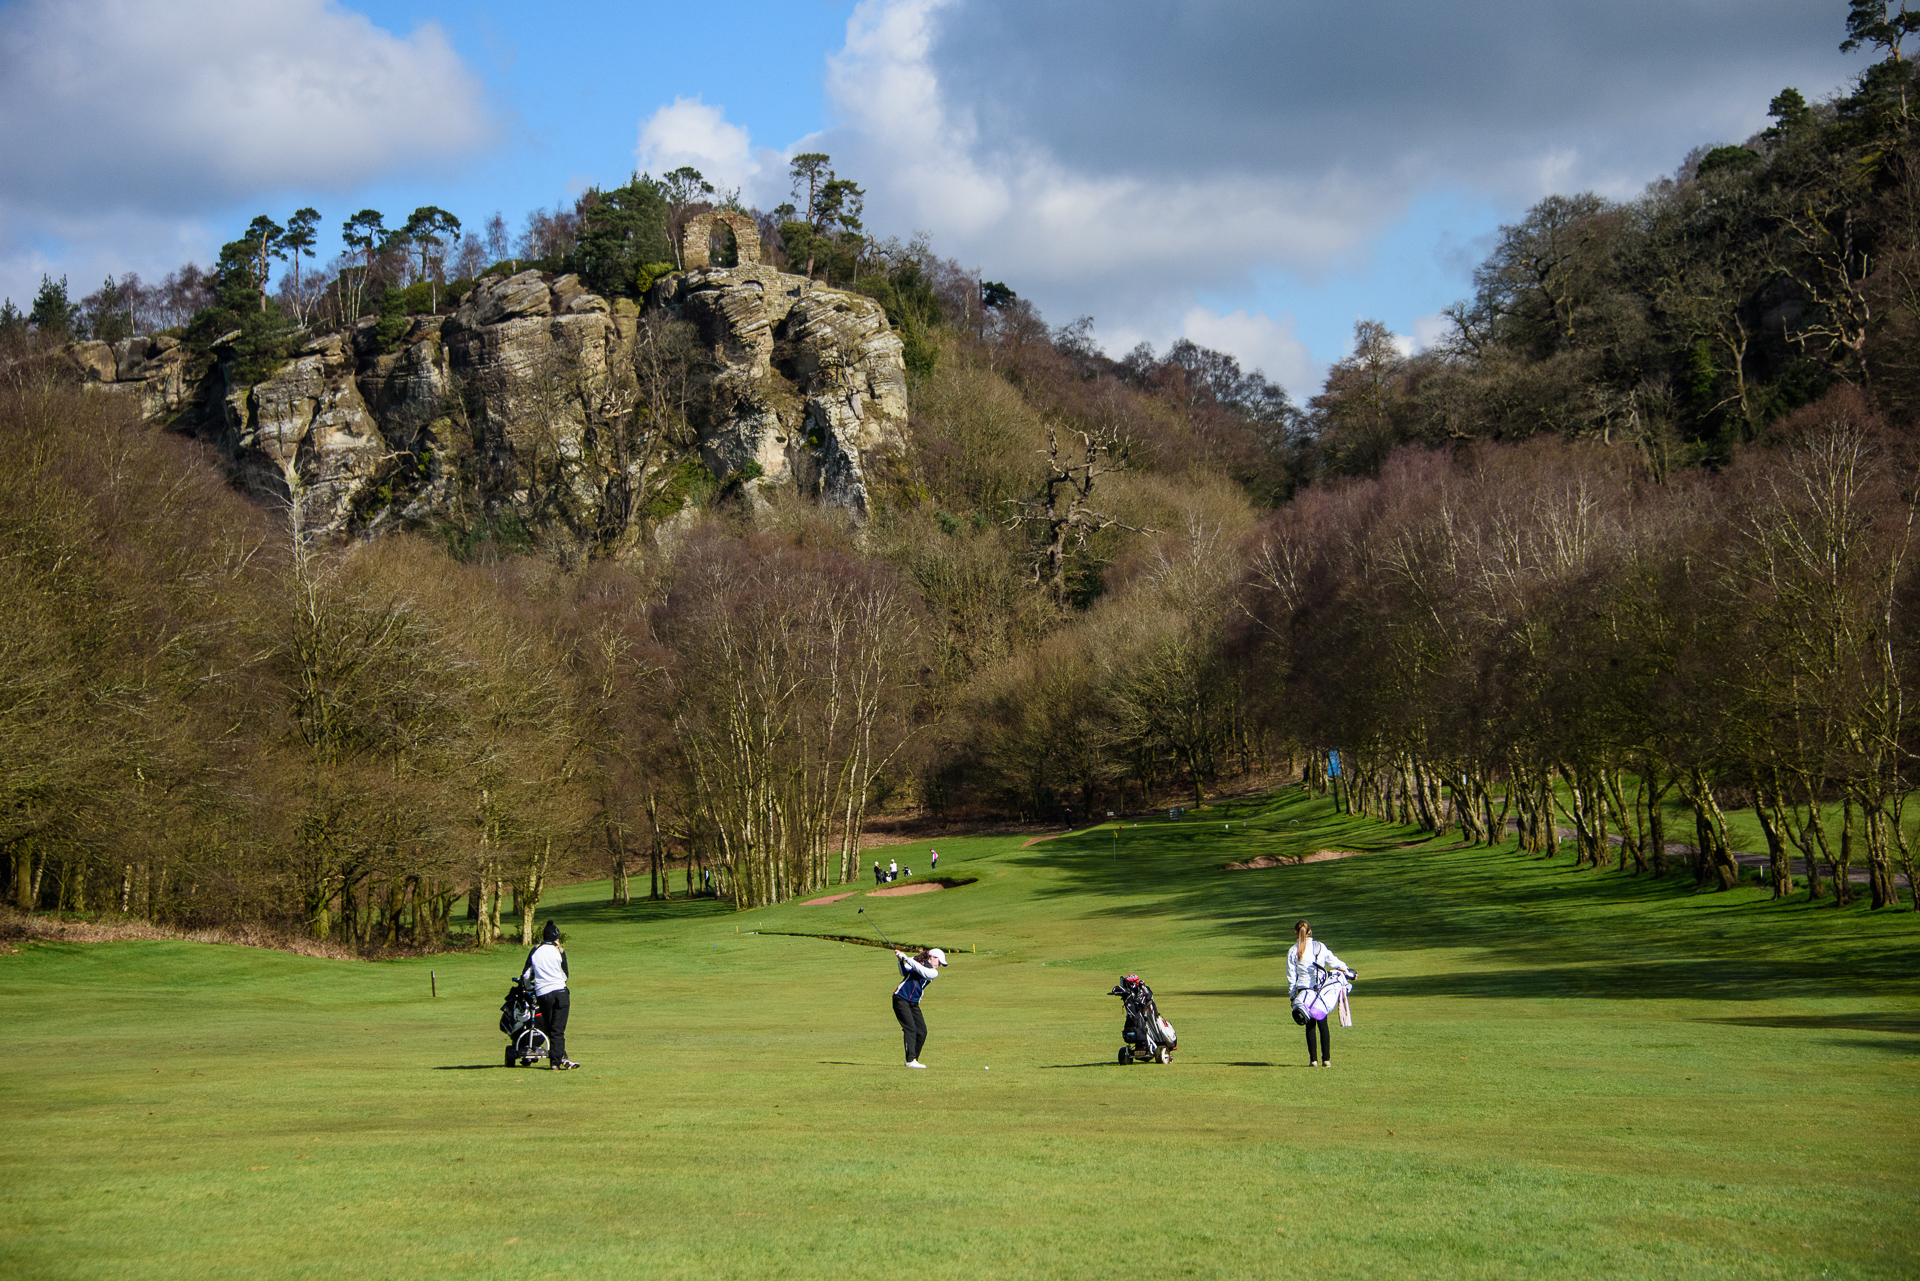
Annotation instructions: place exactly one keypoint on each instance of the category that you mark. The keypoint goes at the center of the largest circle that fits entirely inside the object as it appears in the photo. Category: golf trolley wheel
(532, 1045)
(1126, 1054)
(513, 1054)
(1163, 1055)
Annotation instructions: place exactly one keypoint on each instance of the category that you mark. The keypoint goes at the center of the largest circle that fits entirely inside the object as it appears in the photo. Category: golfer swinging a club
(915, 973)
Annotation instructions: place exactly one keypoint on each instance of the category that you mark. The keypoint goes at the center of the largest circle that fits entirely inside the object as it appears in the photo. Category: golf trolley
(520, 1020)
(1148, 1036)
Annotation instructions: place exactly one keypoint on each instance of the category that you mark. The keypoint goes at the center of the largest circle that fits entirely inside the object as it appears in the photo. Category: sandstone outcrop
(520, 405)
(814, 379)
(154, 370)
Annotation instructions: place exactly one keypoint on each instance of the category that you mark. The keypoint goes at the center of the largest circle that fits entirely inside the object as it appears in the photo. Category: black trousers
(913, 1027)
(553, 1017)
(1326, 1054)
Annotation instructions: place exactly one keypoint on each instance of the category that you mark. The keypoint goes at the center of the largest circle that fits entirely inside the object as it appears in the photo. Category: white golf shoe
(917, 1064)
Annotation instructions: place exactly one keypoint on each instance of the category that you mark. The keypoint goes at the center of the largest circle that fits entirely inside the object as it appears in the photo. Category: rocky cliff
(540, 403)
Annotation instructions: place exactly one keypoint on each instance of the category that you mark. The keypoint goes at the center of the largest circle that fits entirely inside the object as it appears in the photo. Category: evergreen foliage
(622, 232)
(52, 314)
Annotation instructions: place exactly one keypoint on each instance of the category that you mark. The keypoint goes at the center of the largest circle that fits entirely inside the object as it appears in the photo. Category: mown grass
(1551, 1073)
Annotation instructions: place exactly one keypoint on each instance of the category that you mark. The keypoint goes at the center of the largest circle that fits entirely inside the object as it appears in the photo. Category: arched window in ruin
(705, 240)
(723, 250)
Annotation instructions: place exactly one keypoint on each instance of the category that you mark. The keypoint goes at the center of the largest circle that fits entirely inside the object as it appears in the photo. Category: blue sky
(1254, 174)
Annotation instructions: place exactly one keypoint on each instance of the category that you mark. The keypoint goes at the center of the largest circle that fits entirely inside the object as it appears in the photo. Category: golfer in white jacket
(915, 973)
(547, 971)
(1307, 961)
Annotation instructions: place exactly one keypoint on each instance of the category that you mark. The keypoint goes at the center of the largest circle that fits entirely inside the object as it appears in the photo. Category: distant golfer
(1308, 962)
(879, 877)
(934, 857)
(547, 967)
(893, 868)
(915, 973)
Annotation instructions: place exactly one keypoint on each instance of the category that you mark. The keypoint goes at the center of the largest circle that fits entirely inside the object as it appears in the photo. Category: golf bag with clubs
(1147, 1035)
(520, 1020)
(1325, 993)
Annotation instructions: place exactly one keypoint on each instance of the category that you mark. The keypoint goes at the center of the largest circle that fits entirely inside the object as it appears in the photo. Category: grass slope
(1551, 1073)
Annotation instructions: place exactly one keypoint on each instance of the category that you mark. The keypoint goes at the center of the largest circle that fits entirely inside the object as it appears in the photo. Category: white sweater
(548, 969)
(1300, 971)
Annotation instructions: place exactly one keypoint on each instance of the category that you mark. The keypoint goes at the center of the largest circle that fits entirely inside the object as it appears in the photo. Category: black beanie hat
(552, 934)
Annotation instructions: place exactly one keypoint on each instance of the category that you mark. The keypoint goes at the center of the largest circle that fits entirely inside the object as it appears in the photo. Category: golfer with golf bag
(546, 969)
(1317, 982)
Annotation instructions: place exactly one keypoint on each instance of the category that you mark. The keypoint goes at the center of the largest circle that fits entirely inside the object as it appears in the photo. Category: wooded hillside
(1638, 532)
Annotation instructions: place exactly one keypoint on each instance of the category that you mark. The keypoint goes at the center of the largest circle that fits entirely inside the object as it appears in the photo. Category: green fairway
(1550, 1074)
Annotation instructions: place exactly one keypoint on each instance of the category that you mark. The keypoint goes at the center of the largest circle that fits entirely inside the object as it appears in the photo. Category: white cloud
(110, 244)
(1124, 158)
(1430, 331)
(1124, 245)
(689, 132)
(1259, 342)
(130, 125)
(172, 108)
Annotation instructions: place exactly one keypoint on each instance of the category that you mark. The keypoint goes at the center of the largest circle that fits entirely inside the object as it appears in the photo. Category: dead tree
(1062, 506)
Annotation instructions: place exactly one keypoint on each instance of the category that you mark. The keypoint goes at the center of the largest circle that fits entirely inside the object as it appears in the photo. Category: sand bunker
(831, 898)
(895, 891)
(1278, 860)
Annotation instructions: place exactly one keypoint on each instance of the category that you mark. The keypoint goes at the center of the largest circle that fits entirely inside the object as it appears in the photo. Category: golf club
(881, 932)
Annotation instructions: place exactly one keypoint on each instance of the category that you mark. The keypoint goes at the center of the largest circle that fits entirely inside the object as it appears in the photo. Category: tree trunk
(1842, 878)
(1906, 857)
(655, 850)
(1880, 885)
(1626, 820)
(23, 876)
(1714, 827)
(490, 910)
(1648, 797)
(1702, 842)
(1428, 821)
(621, 896)
(1779, 862)
(1657, 831)
(1814, 850)
(528, 891)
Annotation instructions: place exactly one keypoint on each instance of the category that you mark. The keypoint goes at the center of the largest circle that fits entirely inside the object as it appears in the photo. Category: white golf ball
(986, 1069)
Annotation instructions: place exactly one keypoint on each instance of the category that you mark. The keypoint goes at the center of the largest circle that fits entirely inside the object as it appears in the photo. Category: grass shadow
(1546, 927)
(1049, 1067)
(638, 912)
(1903, 1024)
